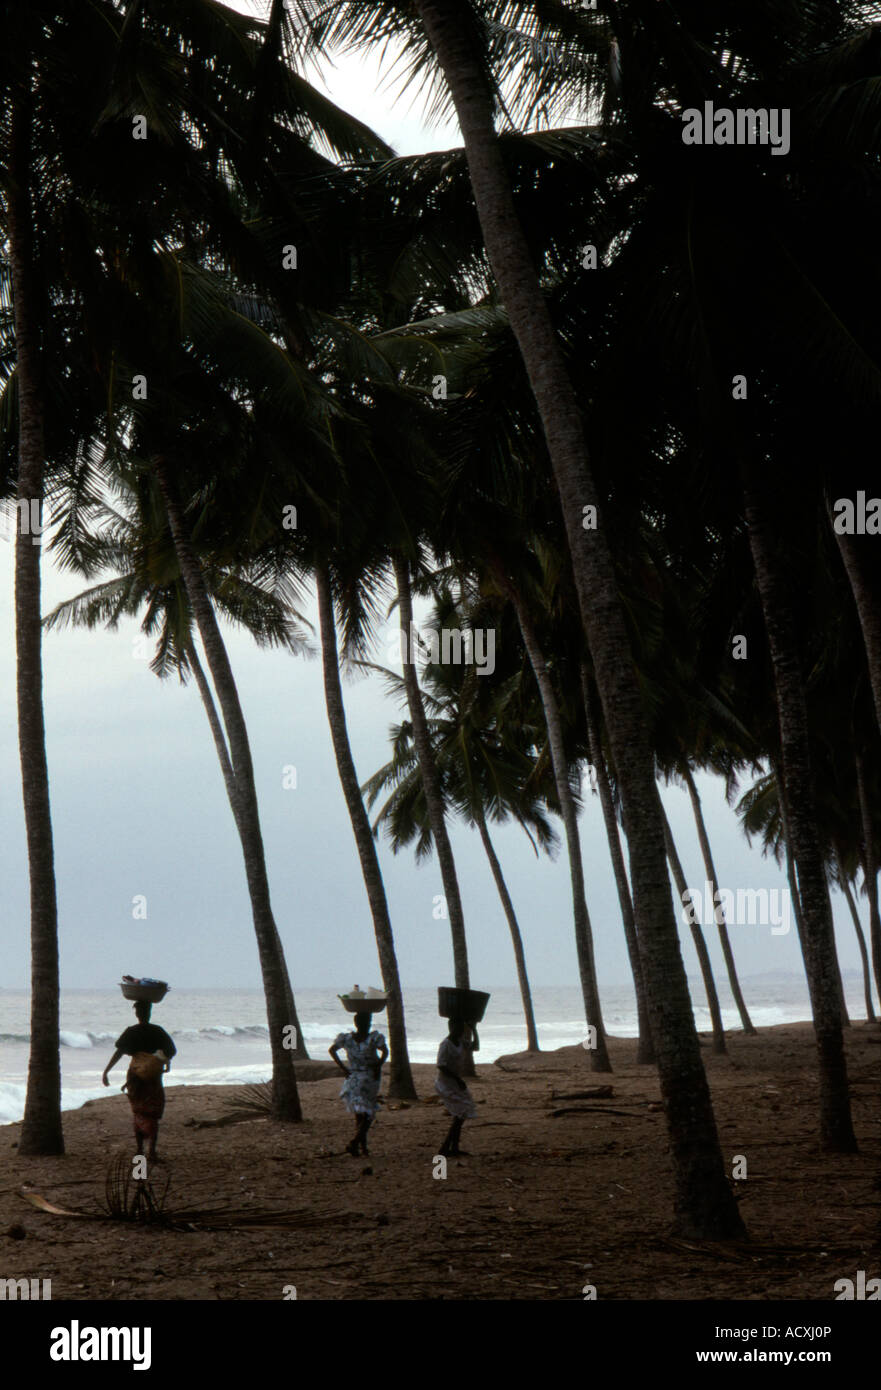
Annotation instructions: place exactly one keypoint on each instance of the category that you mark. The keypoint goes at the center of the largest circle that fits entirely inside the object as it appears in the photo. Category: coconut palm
(846, 887)
(453, 37)
(400, 1077)
(700, 945)
(199, 89)
(599, 1054)
(41, 1129)
(430, 778)
(148, 577)
(483, 775)
(710, 870)
(869, 861)
(645, 1051)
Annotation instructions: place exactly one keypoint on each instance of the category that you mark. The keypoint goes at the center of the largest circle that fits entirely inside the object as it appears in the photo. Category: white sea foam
(11, 1102)
(69, 1039)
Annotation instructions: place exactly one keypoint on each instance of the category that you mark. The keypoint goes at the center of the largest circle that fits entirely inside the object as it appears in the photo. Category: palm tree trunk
(796, 900)
(516, 938)
(845, 1016)
(861, 940)
(870, 868)
(704, 1203)
(790, 864)
(430, 781)
(710, 870)
(285, 1097)
(599, 1055)
(645, 1051)
(836, 1127)
(300, 1051)
(700, 944)
(41, 1131)
(401, 1085)
(868, 608)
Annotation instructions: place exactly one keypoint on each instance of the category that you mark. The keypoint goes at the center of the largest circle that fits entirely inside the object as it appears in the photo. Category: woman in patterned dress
(144, 1079)
(365, 1051)
(458, 1101)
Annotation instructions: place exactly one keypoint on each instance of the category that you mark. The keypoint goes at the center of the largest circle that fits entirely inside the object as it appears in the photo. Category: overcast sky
(139, 808)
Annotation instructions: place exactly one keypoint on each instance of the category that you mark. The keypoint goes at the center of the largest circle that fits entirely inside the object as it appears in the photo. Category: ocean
(222, 1038)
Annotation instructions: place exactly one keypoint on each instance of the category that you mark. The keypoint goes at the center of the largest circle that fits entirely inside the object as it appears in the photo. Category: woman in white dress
(365, 1051)
(452, 1058)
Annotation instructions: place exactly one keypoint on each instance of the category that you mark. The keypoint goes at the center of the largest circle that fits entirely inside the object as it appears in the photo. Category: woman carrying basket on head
(151, 1051)
(365, 1051)
(458, 1101)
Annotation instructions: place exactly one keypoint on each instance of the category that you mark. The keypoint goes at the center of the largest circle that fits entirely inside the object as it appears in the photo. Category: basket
(467, 1004)
(148, 994)
(369, 1004)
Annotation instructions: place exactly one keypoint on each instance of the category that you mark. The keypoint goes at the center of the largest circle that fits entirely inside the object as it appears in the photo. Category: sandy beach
(558, 1192)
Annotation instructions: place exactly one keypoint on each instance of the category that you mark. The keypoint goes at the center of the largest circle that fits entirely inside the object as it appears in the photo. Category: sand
(545, 1205)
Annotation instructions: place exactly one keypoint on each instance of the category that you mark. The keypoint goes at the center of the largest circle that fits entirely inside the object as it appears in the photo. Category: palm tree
(645, 1051)
(845, 886)
(704, 1201)
(76, 193)
(700, 944)
(482, 776)
(285, 1098)
(41, 1128)
(599, 1054)
(404, 812)
(428, 770)
(148, 575)
(777, 315)
(869, 859)
(836, 1126)
(400, 1077)
(710, 870)
(862, 576)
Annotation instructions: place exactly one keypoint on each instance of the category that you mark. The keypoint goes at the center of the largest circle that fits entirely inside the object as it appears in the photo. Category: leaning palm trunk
(845, 1016)
(818, 942)
(599, 1055)
(285, 1097)
(796, 900)
(870, 868)
(861, 939)
(710, 870)
(645, 1051)
(41, 1131)
(514, 928)
(704, 1202)
(434, 801)
(400, 1077)
(700, 944)
(867, 608)
(229, 779)
(790, 863)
